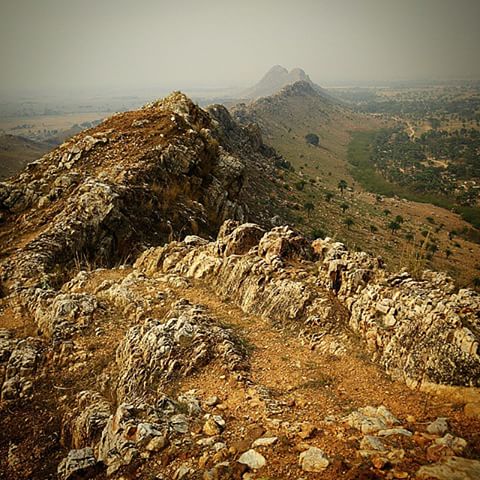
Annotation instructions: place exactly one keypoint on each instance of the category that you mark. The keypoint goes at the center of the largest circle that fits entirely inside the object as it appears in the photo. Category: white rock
(457, 444)
(371, 443)
(313, 460)
(264, 442)
(394, 431)
(252, 459)
(454, 468)
(438, 427)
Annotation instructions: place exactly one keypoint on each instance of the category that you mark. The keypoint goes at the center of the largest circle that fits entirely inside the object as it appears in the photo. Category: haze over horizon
(57, 45)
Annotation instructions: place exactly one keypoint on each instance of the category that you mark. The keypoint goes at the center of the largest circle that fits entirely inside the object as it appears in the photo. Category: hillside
(286, 118)
(148, 332)
(16, 152)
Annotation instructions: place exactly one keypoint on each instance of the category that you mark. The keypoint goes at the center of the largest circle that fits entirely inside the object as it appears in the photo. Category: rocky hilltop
(149, 332)
(277, 78)
(295, 103)
(140, 178)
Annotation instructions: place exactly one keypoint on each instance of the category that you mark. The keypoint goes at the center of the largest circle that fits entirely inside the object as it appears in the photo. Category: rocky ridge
(255, 354)
(139, 178)
(419, 330)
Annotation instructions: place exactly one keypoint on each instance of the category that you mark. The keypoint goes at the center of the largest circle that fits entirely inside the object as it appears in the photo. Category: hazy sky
(184, 43)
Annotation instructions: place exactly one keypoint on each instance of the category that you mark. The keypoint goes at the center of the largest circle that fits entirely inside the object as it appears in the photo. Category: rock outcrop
(139, 178)
(418, 330)
(185, 340)
(19, 360)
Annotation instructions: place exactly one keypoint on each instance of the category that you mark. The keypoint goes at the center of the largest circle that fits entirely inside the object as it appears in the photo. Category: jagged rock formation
(19, 360)
(186, 340)
(139, 178)
(132, 332)
(419, 330)
(254, 276)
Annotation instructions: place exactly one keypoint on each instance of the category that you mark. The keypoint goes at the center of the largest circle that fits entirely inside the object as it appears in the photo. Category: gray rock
(78, 464)
(264, 442)
(179, 423)
(212, 401)
(438, 427)
(457, 444)
(394, 431)
(19, 362)
(368, 420)
(372, 443)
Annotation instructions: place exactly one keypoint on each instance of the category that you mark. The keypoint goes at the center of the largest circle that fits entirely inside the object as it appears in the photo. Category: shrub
(300, 185)
(318, 233)
(312, 139)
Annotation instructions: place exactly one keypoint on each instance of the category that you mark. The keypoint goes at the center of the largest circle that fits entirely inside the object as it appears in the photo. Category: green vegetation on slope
(363, 170)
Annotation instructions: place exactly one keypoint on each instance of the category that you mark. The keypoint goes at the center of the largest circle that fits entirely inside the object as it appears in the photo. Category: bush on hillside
(312, 139)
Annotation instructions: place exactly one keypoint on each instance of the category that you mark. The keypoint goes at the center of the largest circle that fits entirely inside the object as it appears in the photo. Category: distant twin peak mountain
(280, 75)
(276, 79)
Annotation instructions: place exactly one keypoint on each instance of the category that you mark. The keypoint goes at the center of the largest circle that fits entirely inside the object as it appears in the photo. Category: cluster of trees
(408, 162)
(465, 108)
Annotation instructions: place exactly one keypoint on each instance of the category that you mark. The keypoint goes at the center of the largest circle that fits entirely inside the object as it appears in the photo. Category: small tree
(387, 212)
(409, 236)
(342, 185)
(300, 185)
(318, 233)
(373, 229)
(399, 219)
(328, 196)
(448, 252)
(433, 248)
(349, 222)
(344, 207)
(312, 139)
(394, 226)
(309, 207)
